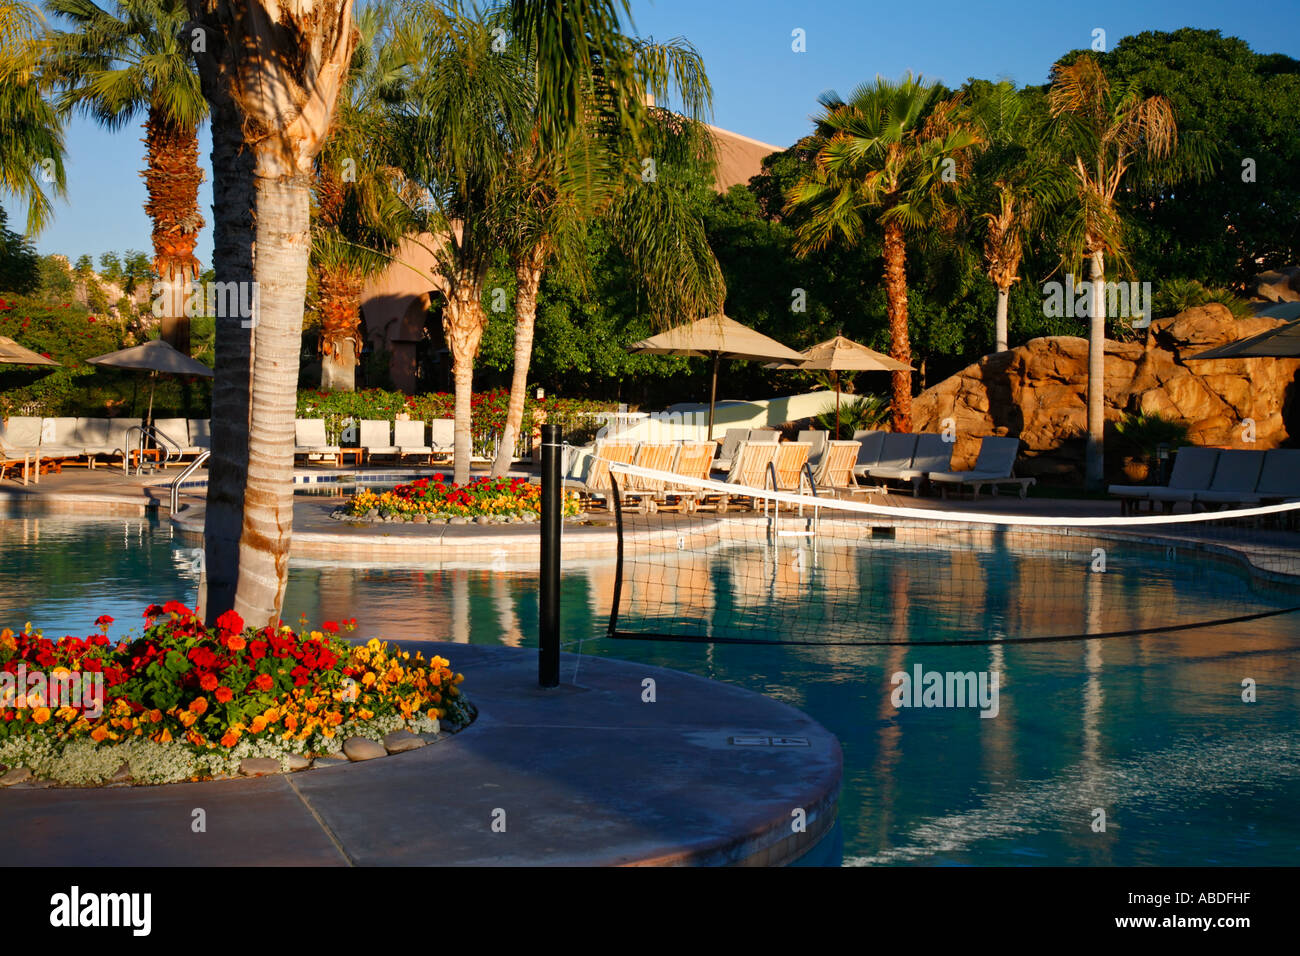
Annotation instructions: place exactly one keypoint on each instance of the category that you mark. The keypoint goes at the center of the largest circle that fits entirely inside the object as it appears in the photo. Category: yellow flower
(41, 714)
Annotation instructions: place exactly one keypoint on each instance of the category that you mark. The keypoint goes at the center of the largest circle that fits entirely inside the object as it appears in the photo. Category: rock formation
(1038, 391)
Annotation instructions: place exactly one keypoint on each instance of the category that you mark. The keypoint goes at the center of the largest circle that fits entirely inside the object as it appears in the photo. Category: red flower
(103, 621)
(263, 681)
(230, 622)
(223, 694)
(330, 627)
(257, 650)
(208, 682)
(152, 611)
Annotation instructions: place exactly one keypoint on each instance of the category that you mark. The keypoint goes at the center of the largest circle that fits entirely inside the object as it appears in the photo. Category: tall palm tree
(115, 65)
(273, 84)
(599, 175)
(1016, 184)
(31, 131)
(1109, 129)
(468, 110)
(358, 217)
(884, 157)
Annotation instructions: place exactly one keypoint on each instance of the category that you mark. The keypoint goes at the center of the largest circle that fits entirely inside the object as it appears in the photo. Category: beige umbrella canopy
(843, 355)
(1281, 342)
(11, 353)
(154, 356)
(720, 337)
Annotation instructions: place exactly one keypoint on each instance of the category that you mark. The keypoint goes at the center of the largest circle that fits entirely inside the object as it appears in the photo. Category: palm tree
(467, 112)
(598, 175)
(31, 131)
(273, 87)
(358, 218)
(273, 78)
(889, 155)
(1107, 130)
(116, 65)
(1016, 184)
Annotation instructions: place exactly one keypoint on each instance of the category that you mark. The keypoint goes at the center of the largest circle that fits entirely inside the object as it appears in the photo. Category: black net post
(548, 651)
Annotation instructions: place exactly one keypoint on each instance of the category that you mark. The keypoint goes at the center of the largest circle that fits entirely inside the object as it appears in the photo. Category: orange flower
(291, 722)
(198, 705)
(155, 716)
(41, 714)
(164, 737)
(259, 725)
(230, 739)
(334, 719)
(236, 643)
(224, 694)
(272, 715)
(208, 682)
(99, 733)
(195, 738)
(187, 718)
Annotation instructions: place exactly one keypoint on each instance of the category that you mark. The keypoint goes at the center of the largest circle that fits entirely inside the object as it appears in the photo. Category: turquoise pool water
(1151, 729)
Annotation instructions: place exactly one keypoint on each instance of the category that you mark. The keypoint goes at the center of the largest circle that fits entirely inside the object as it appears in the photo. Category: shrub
(857, 412)
(1140, 434)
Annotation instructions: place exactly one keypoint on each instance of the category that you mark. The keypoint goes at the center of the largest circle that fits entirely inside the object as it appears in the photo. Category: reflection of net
(804, 570)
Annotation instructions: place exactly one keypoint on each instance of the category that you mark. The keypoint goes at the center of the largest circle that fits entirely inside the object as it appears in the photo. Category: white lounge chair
(931, 454)
(870, 443)
(442, 437)
(309, 439)
(730, 443)
(1235, 478)
(377, 439)
(1193, 471)
(994, 466)
(409, 438)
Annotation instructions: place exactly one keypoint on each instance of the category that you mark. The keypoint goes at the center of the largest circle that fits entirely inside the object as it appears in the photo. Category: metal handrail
(189, 470)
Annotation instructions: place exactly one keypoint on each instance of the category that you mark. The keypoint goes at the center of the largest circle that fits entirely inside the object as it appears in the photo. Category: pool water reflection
(1151, 729)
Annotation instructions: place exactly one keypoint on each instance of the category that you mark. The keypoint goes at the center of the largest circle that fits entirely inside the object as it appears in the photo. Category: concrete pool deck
(588, 774)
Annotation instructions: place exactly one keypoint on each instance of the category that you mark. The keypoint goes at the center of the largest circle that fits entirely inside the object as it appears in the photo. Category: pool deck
(587, 774)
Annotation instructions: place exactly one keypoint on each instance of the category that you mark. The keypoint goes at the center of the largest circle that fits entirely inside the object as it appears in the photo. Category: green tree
(115, 66)
(19, 264)
(887, 156)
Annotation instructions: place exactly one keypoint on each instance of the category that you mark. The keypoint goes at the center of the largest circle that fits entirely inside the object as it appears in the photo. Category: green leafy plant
(1179, 295)
(856, 412)
(1140, 433)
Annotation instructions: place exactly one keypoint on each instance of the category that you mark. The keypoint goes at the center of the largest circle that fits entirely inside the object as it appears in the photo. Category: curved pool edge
(589, 774)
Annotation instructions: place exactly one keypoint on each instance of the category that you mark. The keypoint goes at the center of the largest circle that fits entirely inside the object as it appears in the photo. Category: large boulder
(1038, 391)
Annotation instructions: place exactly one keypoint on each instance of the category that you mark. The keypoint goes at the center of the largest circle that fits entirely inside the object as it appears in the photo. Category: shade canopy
(1280, 310)
(844, 355)
(153, 356)
(11, 353)
(717, 335)
(1281, 342)
(720, 337)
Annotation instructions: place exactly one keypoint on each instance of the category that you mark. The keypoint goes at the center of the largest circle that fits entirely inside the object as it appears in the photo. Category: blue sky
(761, 87)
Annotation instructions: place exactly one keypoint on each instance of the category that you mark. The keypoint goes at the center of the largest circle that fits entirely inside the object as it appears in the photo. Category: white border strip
(926, 514)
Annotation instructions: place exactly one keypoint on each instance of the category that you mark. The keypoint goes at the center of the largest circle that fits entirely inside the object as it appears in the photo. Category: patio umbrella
(843, 355)
(1281, 342)
(1280, 310)
(11, 353)
(155, 357)
(720, 337)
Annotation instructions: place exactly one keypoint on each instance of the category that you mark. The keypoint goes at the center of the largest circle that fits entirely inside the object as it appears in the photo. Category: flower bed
(185, 701)
(435, 500)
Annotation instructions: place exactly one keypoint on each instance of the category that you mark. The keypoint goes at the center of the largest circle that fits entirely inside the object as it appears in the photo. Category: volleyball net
(796, 569)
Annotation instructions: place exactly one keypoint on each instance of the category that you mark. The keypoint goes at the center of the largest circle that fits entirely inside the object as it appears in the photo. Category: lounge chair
(1193, 471)
(1235, 478)
(172, 436)
(1279, 479)
(9, 462)
(818, 441)
(836, 472)
(790, 466)
(309, 439)
(730, 443)
(995, 466)
(656, 456)
(932, 453)
(123, 439)
(408, 436)
(592, 469)
(896, 451)
(92, 434)
(377, 439)
(870, 442)
(59, 440)
(20, 438)
(694, 459)
(749, 469)
(442, 437)
(200, 436)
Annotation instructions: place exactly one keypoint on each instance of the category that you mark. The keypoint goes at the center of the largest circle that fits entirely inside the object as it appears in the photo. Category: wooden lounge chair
(788, 467)
(408, 436)
(59, 440)
(835, 476)
(12, 461)
(995, 466)
(656, 456)
(594, 476)
(694, 458)
(1193, 471)
(748, 470)
(818, 441)
(20, 439)
(309, 435)
(931, 454)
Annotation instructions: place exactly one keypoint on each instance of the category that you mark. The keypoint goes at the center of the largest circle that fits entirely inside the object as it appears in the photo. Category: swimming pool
(1151, 729)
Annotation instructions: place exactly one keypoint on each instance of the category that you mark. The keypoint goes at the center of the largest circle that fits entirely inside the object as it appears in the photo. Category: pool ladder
(179, 479)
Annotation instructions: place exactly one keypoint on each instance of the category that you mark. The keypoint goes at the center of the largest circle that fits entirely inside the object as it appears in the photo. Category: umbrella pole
(837, 404)
(713, 392)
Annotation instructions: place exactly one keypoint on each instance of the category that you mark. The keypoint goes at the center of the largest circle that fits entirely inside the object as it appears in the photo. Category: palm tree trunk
(233, 235)
(283, 246)
(340, 305)
(172, 176)
(529, 279)
(899, 346)
(1000, 332)
(1095, 465)
(463, 321)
